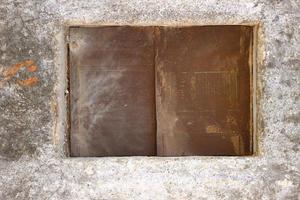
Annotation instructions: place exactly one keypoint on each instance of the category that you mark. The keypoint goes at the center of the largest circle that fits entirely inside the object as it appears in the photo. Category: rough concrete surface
(33, 106)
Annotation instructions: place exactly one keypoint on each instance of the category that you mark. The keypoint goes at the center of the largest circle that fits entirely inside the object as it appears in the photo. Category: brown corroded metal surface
(203, 90)
(112, 91)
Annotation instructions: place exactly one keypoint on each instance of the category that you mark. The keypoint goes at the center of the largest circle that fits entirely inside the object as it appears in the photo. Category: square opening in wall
(165, 91)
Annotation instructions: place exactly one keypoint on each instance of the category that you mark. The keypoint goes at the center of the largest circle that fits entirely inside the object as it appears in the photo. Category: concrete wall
(33, 164)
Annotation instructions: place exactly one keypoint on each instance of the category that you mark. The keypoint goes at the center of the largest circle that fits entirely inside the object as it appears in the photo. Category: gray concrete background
(33, 119)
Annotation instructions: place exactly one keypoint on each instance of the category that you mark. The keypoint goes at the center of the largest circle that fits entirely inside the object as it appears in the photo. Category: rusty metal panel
(112, 87)
(203, 90)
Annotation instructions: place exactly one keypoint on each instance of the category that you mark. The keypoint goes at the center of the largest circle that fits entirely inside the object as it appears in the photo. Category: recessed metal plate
(166, 91)
(203, 90)
(112, 91)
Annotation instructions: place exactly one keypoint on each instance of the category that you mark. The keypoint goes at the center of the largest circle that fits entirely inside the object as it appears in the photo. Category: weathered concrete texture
(32, 106)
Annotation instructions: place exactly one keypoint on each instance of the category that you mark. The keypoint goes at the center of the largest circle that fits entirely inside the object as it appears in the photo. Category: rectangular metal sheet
(112, 87)
(203, 90)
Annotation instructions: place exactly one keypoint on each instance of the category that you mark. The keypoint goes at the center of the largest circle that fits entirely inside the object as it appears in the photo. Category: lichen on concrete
(33, 115)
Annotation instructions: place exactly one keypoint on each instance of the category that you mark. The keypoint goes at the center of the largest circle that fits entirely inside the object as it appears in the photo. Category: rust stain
(9, 73)
(32, 68)
(29, 82)
(16, 68)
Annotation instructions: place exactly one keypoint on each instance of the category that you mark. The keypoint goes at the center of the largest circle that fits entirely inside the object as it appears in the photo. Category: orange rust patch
(15, 68)
(29, 82)
(32, 68)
